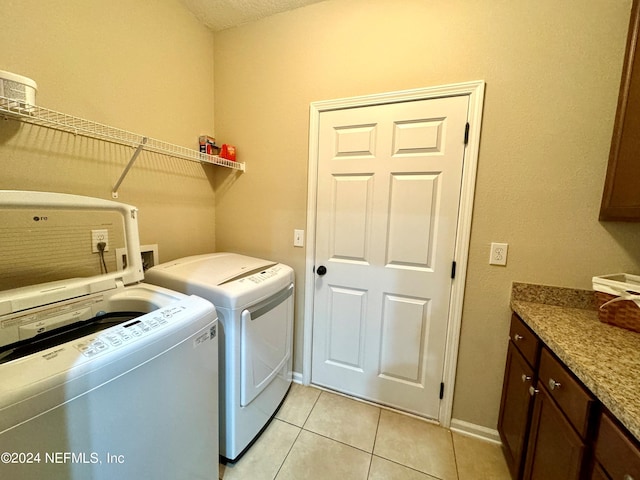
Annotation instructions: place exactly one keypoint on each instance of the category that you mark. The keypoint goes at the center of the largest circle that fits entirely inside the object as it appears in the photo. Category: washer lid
(209, 269)
(47, 251)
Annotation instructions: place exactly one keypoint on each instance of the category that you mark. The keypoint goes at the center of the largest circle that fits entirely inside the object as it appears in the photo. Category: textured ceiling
(221, 14)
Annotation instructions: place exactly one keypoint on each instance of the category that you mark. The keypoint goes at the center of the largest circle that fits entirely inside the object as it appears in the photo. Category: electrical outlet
(498, 254)
(298, 238)
(98, 236)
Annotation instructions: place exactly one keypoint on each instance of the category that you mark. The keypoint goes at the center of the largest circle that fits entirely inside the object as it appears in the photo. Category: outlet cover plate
(101, 235)
(498, 254)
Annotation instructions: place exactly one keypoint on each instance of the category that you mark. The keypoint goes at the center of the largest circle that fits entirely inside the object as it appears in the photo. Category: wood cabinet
(617, 455)
(621, 196)
(516, 404)
(546, 417)
(555, 451)
(552, 427)
(576, 402)
(560, 423)
(598, 473)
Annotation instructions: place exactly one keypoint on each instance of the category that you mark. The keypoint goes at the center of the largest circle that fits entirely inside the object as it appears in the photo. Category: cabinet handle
(553, 385)
(533, 391)
(525, 378)
(517, 338)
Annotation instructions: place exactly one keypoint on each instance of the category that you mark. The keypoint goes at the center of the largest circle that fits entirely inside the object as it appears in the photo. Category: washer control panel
(116, 337)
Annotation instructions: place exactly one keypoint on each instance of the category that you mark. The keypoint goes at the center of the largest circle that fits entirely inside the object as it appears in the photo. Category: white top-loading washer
(254, 300)
(92, 366)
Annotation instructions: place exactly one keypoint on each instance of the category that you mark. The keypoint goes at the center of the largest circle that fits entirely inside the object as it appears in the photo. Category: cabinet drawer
(616, 452)
(523, 338)
(574, 400)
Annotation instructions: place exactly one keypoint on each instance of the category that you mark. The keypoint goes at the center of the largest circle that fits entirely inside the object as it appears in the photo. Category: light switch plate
(298, 238)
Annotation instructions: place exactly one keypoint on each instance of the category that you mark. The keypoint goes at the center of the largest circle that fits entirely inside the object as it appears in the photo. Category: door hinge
(441, 390)
(466, 134)
(453, 269)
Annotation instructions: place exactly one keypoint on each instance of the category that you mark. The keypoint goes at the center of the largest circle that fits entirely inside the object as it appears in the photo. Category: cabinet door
(515, 408)
(621, 197)
(598, 473)
(555, 451)
(616, 450)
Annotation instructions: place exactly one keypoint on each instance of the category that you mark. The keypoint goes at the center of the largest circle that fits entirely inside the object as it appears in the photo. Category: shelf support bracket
(114, 192)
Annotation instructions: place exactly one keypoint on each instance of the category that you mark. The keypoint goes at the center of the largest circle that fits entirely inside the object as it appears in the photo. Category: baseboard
(297, 377)
(473, 430)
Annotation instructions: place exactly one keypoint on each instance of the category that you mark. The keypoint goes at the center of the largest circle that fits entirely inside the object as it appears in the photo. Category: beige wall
(552, 71)
(140, 66)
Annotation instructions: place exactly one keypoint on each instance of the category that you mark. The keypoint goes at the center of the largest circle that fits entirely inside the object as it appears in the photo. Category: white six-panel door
(389, 180)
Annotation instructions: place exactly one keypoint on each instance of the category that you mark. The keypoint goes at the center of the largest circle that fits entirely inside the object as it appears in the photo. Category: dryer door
(265, 343)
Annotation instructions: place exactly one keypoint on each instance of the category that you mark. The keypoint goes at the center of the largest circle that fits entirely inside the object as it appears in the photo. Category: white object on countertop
(617, 283)
(624, 285)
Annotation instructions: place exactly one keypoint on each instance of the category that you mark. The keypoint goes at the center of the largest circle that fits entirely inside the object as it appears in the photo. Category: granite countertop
(604, 357)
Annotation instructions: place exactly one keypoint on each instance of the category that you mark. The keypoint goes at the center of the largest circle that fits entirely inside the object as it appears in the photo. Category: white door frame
(475, 91)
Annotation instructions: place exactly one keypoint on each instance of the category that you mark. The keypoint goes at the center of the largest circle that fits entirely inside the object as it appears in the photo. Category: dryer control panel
(262, 276)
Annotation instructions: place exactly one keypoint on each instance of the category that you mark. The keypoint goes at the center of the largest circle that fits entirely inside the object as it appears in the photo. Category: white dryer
(254, 301)
(92, 365)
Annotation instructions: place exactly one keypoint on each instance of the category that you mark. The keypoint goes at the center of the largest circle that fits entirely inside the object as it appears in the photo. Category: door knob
(321, 270)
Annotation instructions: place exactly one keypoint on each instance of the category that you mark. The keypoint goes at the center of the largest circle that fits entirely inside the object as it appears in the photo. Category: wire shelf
(78, 126)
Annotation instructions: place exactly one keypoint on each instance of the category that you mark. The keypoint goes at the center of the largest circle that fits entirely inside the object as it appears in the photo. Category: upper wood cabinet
(621, 197)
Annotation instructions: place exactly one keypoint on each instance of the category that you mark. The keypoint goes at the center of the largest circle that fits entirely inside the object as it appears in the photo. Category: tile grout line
(336, 440)
(375, 438)
(402, 464)
(297, 436)
(381, 406)
(373, 447)
(392, 410)
(430, 475)
(311, 410)
(455, 455)
(287, 455)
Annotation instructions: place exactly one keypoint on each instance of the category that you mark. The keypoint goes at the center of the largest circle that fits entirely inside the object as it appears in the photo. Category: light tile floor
(320, 435)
